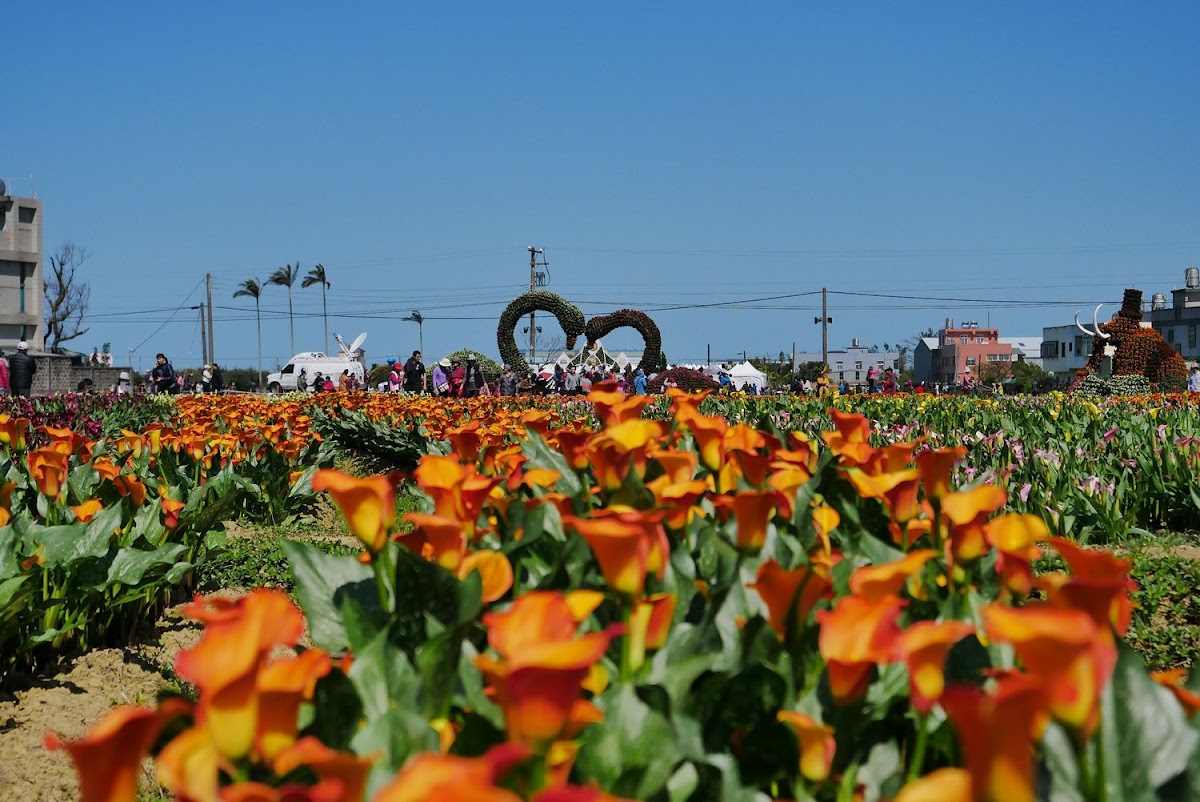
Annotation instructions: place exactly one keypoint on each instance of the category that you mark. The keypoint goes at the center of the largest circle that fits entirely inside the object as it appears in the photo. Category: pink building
(966, 347)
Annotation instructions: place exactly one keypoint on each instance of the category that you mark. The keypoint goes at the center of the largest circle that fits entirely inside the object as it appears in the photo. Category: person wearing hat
(21, 369)
(123, 387)
(441, 377)
(508, 382)
(473, 381)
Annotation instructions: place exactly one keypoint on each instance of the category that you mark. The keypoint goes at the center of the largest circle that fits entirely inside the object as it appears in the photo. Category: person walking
(396, 378)
(5, 385)
(872, 377)
(217, 382)
(21, 369)
(639, 382)
(1194, 380)
(473, 381)
(162, 377)
(508, 382)
(414, 374)
(441, 378)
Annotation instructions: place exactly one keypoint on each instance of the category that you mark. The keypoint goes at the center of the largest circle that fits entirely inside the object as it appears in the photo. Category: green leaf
(66, 545)
(323, 581)
(633, 751)
(540, 455)
(130, 565)
(1144, 739)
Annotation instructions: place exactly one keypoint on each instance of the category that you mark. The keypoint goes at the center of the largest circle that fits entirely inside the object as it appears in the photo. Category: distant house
(1065, 349)
(1026, 349)
(850, 365)
(1179, 322)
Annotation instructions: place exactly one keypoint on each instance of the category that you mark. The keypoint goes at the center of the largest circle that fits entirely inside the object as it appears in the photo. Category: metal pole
(532, 316)
(710, 355)
(421, 335)
(211, 351)
(824, 326)
(203, 336)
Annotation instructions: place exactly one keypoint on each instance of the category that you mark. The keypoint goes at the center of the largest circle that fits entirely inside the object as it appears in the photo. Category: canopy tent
(744, 374)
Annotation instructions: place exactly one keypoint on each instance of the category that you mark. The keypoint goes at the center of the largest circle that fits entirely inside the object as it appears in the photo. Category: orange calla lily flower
(48, 469)
(429, 776)
(368, 504)
(878, 581)
(1173, 680)
(790, 595)
(1061, 650)
(328, 764)
(649, 625)
(108, 759)
(495, 572)
(189, 765)
(129, 485)
(282, 686)
(967, 513)
(87, 510)
(817, 745)
(627, 545)
(436, 538)
(708, 432)
(942, 785)
(850, 442)
(171, 508)
(856, 635)
(753, 510)
(923, 647)
(937, 467)
(12, 432)
(1100, 585)
(997, 732)
(225, 664)
(1014, 536)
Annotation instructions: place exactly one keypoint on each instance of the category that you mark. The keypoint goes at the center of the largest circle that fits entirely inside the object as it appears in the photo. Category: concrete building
(851, 364)
(1178, 322)
(1026, 349)
(21, 316)
(966, 347)
(1065, 349)
(925, 360)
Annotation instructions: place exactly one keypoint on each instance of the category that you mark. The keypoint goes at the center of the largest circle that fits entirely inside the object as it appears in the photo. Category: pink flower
(1110, 434)
(1023, 493)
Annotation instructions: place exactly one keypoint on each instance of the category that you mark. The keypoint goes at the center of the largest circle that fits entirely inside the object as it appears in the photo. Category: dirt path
(72, 701)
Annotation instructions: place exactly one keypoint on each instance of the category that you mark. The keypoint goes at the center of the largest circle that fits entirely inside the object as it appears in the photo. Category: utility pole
(203, 336)
(533, 266)
(824, 320)
(211, 351)
(710, 355)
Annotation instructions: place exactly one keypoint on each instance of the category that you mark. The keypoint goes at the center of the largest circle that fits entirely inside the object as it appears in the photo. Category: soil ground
(72, 700)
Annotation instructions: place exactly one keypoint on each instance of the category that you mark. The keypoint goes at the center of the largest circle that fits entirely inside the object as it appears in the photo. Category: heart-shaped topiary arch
(569, 317)
(604, 325)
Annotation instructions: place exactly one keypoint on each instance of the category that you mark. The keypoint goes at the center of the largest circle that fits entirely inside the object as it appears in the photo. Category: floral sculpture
(569, 317)
(604, 325)
(1140, 351)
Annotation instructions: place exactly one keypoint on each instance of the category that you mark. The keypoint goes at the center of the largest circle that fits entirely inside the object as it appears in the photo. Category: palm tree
(250, 288)
(317, 276)
(285, 277)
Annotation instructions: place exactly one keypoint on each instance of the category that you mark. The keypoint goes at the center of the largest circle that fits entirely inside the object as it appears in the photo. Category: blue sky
(664, 155)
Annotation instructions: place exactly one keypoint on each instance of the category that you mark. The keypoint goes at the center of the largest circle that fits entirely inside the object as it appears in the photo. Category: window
(962, 340)
(839, 366)
(980, 340)
(25, 215)
(289, 368)
(970, 361)
(858, 365)
(856, 376)
(1170, 335)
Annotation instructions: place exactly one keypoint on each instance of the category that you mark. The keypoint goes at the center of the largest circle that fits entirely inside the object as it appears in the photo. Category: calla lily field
(674, 598)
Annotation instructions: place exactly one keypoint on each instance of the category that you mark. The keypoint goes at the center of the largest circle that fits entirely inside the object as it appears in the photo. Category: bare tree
(67, 297)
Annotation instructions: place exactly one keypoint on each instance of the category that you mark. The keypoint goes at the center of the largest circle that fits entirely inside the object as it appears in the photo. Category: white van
(312, 363)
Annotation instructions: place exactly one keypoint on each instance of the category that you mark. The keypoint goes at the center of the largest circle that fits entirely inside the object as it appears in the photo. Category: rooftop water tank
(949, 322)
(1159, 301)
(1192, 278)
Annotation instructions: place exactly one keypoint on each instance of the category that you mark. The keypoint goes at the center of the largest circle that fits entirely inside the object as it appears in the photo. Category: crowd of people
(465, 378)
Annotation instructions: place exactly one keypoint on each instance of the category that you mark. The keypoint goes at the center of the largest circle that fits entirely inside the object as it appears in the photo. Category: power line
(171, 317)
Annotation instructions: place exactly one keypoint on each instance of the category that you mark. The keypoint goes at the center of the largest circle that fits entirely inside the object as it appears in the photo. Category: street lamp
(419, 319)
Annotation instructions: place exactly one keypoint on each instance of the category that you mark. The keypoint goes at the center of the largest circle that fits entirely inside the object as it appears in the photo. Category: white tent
(745, 373)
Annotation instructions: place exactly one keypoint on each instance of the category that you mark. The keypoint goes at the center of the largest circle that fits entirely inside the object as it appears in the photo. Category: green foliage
(568, 315)
(259, 561)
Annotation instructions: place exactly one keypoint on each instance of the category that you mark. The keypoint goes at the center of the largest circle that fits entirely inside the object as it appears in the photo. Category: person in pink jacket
(5, 388)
